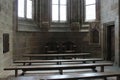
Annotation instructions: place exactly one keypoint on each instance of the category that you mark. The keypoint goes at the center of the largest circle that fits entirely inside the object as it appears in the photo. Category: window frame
(27, 25)
(59, 21)
(97, 12)
(25, 12)
(86, 21)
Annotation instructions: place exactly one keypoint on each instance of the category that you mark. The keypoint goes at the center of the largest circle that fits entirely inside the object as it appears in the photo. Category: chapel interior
(58, 26)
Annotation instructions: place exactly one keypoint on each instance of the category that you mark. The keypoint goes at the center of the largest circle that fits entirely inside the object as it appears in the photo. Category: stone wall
(34, 42)
(109, 13)
(6, 26)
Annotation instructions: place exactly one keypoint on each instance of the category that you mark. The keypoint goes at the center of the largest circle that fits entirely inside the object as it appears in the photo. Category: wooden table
(83, 55)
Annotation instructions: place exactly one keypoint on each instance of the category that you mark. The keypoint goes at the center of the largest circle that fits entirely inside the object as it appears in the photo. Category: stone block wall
(6, 26)
(110, 13)
(34, 42)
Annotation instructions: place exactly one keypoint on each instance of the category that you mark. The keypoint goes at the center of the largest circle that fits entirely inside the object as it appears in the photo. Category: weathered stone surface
(109, 13)
(6, 26)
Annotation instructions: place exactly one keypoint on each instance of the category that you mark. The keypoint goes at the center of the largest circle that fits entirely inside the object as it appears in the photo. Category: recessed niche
(5, 42)
(94, 33)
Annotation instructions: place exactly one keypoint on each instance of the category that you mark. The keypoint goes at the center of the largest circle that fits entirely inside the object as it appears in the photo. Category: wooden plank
(60, 67)
(59, 55)
(83, 55)
(82, 76)
(58, 61)
(89, 75)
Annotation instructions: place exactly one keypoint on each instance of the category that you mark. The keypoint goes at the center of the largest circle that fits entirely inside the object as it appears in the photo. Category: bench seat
(57, 56)
(90, 75)
(58, 61)
(59, 67)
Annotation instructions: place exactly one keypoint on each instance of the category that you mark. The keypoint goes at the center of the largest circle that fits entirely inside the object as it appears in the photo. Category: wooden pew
(83, 55)
(59, 61)
(59, 67)
(90, 75)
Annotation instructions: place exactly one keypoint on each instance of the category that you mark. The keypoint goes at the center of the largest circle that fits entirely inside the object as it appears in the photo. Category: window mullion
(59, 11)
(25, 9)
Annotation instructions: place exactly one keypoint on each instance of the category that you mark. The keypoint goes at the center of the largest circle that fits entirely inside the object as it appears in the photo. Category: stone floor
(8, 74)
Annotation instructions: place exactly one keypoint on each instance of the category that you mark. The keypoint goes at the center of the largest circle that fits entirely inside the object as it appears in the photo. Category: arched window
(59, 11)
(90, 10)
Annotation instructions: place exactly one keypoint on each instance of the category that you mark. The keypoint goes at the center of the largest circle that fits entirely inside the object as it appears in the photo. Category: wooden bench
(58, 61)
(89, 75)
(59, 67)
(57, 56)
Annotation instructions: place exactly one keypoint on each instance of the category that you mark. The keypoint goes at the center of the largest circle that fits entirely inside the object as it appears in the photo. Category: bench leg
(23, 64)
(16, 73)
(30, 63)
(23, 72)
(93, 61)
(102, 68)
(84, 57)
(118, 78)
(94, 69)
(30, 58)
(84, 61)
(61, 71)
(59, 63)
(105, 78)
